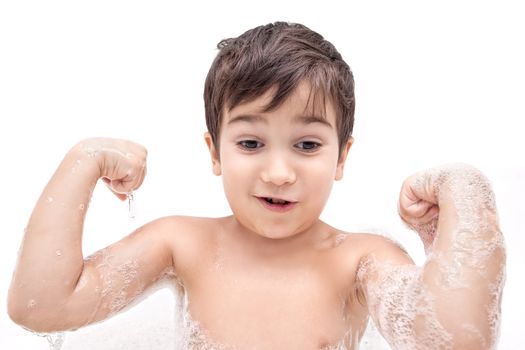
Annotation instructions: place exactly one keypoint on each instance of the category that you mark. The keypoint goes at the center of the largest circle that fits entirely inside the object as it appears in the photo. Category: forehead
(304, 104)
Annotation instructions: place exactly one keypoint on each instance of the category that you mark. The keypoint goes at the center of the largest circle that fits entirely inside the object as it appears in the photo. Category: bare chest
(265, 307)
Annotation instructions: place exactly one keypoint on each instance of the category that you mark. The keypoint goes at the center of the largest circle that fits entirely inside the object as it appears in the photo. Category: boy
(279, 107)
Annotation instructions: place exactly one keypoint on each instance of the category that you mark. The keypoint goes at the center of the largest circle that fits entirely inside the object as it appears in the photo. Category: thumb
(121, 196)
(416, 203)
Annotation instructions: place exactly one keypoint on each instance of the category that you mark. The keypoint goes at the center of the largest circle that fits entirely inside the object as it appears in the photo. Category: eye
(308, 146)
(250, 144)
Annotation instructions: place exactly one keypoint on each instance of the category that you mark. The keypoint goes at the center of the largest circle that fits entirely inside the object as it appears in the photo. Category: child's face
(289, 154)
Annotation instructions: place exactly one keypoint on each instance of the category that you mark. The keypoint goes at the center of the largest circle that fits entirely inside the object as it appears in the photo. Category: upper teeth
(277, 201)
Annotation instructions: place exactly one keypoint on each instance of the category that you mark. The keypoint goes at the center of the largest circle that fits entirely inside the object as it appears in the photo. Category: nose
(278, 171)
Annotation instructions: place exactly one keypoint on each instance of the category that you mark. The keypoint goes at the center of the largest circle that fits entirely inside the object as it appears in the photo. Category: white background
(436, 82)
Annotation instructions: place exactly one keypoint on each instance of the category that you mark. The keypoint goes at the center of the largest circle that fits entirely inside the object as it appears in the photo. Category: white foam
(408, 302)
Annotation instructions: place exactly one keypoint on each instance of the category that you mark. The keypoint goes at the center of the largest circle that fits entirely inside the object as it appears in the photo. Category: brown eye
(308, 146)
(250, 144)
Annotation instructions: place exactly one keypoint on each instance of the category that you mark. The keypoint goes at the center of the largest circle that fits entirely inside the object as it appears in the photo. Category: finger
(432, 213)
(419, 212)
(421, 187)
(109, 184)
(406, 195)
(419, 209)
(131, 183)
(121, 196)
(422, 215)
(140, 178)
(410, 205)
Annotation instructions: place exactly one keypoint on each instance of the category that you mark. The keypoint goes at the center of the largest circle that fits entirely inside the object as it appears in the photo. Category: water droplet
(49, 199)
(131, 205)
(31, 303)
(75, 167)
(340, 238)
(91, 152)
(55, 340)
(58, 252)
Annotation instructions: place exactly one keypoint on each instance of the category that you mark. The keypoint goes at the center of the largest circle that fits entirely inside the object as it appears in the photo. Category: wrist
(462, 185)
(86, 158)
(466, 200)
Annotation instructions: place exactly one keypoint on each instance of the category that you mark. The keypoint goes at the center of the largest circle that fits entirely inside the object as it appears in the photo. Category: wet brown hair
(279, 55)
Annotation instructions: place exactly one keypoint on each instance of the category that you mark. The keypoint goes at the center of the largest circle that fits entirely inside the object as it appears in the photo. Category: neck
(313, 236)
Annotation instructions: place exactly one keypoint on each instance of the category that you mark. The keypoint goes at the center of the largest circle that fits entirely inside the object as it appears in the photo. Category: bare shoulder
(363, 245)
(184, 228)
(355, 250)
(190, 239)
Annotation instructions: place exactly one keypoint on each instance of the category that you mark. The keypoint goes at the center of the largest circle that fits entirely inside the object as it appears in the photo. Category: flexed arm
(53, 287)
(453, 301)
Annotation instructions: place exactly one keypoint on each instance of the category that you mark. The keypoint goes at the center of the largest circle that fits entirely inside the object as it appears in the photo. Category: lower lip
(280, 208)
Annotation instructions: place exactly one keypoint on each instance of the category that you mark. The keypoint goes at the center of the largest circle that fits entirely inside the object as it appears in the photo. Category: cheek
(319, 176)
(237, 167)
(321, 169)
(236, 173)
(321, 185)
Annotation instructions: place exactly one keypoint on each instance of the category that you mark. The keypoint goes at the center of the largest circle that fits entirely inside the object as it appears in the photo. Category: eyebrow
(302, 119)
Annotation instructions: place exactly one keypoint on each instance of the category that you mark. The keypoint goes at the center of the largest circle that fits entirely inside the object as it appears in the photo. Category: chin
(276, 231)
(275, 234)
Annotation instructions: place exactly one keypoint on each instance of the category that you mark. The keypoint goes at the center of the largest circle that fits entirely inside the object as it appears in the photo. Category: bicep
(382, 256)
(425, 307)
(387, 278)
(399, 300)
(114, 276)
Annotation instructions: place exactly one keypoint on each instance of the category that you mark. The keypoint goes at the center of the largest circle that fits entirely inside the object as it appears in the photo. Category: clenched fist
(422, 195)
(122, 163)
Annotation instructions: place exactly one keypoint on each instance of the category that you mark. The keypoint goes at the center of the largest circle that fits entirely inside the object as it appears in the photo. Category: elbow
(469, 343)
(33, 323)
(22, 317)
(30, 319)
(15, 310)
(470, 338)
(14, 314)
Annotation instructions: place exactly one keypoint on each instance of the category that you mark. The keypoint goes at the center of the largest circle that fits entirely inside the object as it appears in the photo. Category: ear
(342, 159)
(216, 165)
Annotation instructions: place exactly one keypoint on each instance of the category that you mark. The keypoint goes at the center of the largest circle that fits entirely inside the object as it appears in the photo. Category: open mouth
(276, 204)
(275, 201)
